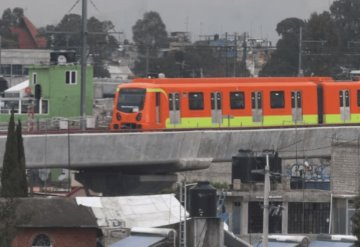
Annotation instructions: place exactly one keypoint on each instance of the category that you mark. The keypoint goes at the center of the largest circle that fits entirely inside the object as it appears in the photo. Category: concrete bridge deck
(180, 150)
(145, 162)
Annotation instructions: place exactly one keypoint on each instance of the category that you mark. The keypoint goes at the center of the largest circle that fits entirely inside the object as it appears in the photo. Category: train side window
(174, 97)
(196, 101)
(237, 100)
(358, 97)
(277, 99)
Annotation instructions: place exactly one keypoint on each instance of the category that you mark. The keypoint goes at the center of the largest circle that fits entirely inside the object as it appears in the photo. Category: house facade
(53, 222)
(52, 91)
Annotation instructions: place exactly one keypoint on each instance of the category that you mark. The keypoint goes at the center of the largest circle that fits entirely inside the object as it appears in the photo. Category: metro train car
(341, 102)
(166, 103)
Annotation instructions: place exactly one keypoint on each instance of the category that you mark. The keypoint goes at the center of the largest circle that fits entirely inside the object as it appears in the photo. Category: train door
(256, 106)
(174, 108)
(157, 108)
(296, 106)
(344, 96)
(216, 112)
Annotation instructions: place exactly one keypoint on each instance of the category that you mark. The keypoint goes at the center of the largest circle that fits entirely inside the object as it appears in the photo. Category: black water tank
(203, 200)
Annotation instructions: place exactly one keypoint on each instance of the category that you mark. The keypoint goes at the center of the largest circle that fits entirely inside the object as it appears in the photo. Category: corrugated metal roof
(138, 241)
(318, 243)
(279, 244)
(134, 211)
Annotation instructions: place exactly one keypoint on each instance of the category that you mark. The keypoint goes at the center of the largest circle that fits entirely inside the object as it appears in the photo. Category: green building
(53, 91)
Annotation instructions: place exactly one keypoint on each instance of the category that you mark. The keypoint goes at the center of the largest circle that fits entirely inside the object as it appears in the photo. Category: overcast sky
(257, 17)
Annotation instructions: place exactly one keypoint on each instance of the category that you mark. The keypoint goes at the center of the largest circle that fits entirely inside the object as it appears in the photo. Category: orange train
(164, 103)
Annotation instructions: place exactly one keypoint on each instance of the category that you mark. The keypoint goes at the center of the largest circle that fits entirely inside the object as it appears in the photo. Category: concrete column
(284, 218)
(205, 232)
(244, 218)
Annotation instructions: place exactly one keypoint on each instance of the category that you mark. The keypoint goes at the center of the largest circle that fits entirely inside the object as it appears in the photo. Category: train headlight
(138, 117)
(116, 126)
(118, 116)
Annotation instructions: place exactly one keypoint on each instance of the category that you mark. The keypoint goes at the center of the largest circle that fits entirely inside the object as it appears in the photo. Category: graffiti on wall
(311, 172)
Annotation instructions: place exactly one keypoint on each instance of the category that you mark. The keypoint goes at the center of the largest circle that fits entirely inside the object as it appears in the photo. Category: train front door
(344, 96)
(256, 106)
(174, 108)
(296, 106)
(216, 112)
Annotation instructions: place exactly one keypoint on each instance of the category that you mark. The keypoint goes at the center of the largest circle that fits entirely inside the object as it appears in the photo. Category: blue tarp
(138, 241)
(318, 243)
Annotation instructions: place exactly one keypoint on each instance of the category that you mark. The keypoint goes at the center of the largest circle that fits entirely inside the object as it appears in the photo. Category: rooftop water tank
(203, 200)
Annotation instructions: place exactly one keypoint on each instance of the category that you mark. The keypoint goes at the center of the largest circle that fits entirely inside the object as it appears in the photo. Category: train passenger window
(237, 100)
(358, 97)
(277, 99)
(174, 105)
(344, 102)
(196, 101)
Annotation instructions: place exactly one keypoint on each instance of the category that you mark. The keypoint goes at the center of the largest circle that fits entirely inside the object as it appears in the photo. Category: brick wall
(345, 170)
(59, 237)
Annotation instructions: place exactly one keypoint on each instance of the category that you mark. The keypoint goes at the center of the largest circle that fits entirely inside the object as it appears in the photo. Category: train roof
(230, 79)
(341, 83)
(229, 84)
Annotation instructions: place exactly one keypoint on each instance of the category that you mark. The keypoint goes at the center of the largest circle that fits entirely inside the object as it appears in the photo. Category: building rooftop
(52, 213)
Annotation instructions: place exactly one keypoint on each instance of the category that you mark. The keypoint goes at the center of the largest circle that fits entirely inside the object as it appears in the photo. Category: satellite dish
(61, 59)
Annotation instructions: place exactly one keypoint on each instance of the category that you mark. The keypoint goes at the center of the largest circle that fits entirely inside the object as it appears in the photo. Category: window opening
(34, 78)
(237, 100)
(41, 240)
(277, 99)
(196, 101)
(70, 77)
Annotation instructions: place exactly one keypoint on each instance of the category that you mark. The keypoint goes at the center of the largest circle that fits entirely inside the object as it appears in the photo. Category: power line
(76, 3)
(95, 7)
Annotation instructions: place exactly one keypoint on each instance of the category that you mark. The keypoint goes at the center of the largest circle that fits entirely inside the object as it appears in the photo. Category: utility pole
(266, 202)
(83, 66)
(300, 72)
(226, 55)
(0, 57)
(147, 61)
(235, 54)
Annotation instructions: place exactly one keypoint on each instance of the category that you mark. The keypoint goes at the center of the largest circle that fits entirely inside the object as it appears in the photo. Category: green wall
(63, 99)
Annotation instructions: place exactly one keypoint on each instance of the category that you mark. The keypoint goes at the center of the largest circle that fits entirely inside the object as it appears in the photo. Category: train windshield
(131, 99)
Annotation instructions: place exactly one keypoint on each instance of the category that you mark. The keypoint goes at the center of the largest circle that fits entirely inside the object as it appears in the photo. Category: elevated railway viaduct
(141, 162)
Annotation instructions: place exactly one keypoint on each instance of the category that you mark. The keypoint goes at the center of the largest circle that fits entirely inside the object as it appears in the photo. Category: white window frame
(41, 104)
(72, 75)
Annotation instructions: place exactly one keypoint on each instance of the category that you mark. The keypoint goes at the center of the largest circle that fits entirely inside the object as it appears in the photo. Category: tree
(284, 61)
(13, 172)
(23, 186)
(101, 44)
(345, 14)
(149, 35)
(10, 19)
(320, 53)
(150, 31)
(13, 184)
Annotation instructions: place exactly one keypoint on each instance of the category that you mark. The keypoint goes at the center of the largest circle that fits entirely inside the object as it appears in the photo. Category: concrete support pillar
(284, 217)
(205, 232)
(244, 218)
